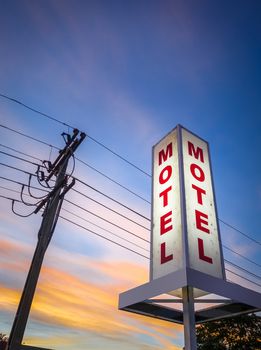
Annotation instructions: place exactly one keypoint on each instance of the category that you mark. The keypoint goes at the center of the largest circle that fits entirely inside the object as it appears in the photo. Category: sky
(126, 73)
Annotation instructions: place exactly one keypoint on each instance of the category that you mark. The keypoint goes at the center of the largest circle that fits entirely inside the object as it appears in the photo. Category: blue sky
(126, 73)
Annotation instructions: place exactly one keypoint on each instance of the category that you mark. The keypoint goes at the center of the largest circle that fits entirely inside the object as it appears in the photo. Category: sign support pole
(189, 319)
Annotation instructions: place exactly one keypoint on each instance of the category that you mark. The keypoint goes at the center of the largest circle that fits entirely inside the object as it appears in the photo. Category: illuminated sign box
(185, 231)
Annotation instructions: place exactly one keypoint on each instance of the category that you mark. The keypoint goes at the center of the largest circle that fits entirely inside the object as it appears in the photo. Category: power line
(108, 221)
(242, 256)
(28, 136)
(244, 278)
(22, 184)
(225, 223)
(242, 233)
(80, 207)
(124, 239)
(146, 256)
(242, 269)
(112, 199)
(235, 265)
(19, 158)
(108, 239)
(69, 126)
(79, 180)
(9, 189)
(115, 211)
(112, 210)
(102, 145)
(36, 111)
(119, 156)
(89, 230)
(15, 168)
(112, 180)
(104, 229)
(81, 161)
(19, 152)
(10, 199)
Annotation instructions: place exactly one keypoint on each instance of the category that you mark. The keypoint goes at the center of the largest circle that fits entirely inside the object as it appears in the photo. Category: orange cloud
(66, 300)
(8, 298)
(8, 246)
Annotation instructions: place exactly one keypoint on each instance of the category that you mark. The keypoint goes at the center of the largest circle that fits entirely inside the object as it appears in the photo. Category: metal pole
(44, 236)
(189, 319)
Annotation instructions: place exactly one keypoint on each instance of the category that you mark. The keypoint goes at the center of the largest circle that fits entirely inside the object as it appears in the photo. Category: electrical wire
(244, 278)
(19, 158)
(17, 169)
(242, 269)
(119, 156)
(112, 180)
(99, 191)
(83, 183)
(242, 256)
(95, 189)
(28, 136)
(106, 238)
(81, 161)
(19, 152)
(110, 209)
(242, 233)
(116, 212)
(120, 245)
(69, 126)
(22, 184)
(112, 199)
(135, 211)
(10, 189)
(225, 223)
(124, 239)
(36, 111)
(108, 221)
(101, 144)
(104, 229)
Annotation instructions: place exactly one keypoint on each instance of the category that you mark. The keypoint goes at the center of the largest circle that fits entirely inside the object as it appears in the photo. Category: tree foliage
(238, 333)
(3, 341)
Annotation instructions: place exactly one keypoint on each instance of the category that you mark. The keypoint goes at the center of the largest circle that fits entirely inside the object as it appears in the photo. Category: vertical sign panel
(166, 242)
(204, 249)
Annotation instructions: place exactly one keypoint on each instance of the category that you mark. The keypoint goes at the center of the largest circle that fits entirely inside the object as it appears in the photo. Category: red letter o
(162, 180)
(200, 176)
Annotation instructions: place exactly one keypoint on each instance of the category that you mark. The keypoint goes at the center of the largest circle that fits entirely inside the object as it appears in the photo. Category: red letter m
(198, 153)
(165, 154)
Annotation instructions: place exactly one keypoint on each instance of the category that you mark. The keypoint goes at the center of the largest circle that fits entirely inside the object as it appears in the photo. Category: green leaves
(238, 333)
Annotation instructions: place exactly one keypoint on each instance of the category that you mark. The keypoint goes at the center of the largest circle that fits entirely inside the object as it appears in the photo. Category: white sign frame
(176, 136)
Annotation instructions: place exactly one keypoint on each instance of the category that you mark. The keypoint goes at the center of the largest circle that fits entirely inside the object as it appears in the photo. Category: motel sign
(186, 260)
(184, 209)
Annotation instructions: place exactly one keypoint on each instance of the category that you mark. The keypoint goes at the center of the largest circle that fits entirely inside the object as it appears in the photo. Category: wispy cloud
(66, 300)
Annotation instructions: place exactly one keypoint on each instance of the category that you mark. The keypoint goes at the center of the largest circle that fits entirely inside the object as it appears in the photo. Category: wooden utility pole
(52, 203)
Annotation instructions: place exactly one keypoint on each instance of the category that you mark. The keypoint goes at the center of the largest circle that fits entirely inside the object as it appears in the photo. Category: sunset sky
(126, 73)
